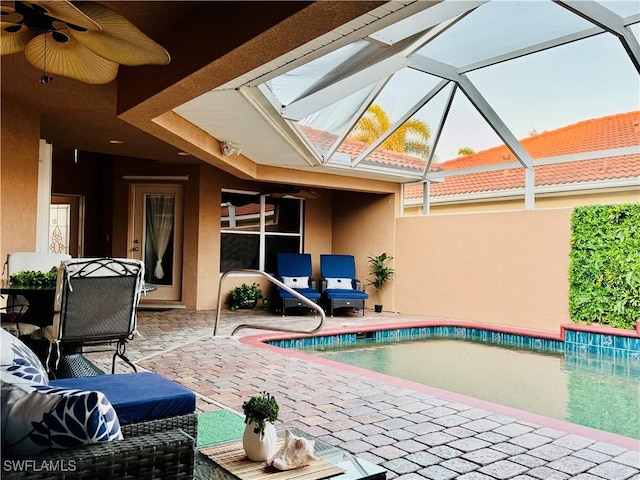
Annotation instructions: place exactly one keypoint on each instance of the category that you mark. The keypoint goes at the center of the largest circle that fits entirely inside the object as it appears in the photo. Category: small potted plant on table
(259, 439)
(244, 297)
(381, 273)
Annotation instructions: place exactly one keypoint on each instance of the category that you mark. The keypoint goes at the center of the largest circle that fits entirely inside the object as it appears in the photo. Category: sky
(586, 79)
(545, 91)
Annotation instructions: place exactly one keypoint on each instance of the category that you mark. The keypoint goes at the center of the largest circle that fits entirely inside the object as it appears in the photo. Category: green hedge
(604, 271)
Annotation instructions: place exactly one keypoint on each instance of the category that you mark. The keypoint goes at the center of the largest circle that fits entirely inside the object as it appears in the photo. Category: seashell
(295, 452)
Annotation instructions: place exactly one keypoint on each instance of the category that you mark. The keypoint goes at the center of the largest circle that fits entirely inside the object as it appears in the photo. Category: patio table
(354, 468)
(41, 303)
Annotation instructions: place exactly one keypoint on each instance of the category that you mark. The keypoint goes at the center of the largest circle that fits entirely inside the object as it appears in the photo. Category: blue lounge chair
(339, 286)
(294, 270)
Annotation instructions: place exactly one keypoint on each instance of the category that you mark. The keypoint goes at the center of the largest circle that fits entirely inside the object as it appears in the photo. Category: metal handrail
(277, 282)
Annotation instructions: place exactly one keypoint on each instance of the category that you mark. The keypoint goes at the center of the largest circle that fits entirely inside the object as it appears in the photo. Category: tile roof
(246, 209)
(612, 168)
(614, 131)
(354, 148)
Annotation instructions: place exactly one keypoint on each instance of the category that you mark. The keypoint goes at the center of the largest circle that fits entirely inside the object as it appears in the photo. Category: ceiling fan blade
(119, 41)
(63, 10)
(9, 14)
(69, 59)
(290, 192)
(307, 194)
(14, 37)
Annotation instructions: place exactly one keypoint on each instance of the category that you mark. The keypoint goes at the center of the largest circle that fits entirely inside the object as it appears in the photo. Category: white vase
(259, 447)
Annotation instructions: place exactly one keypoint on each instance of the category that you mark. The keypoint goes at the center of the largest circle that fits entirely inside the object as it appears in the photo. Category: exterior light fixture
(228, 148)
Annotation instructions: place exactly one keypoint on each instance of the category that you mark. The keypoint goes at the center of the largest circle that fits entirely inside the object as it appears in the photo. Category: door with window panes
(155, 237)
(254, 228)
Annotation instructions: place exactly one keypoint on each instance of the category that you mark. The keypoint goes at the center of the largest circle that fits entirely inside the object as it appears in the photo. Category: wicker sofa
(161, 447)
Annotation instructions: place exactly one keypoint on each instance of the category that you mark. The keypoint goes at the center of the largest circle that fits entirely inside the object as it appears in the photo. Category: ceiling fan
(289, 191)
(85, 41)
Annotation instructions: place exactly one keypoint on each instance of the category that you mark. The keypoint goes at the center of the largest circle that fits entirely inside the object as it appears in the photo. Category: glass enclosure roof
(467, 75)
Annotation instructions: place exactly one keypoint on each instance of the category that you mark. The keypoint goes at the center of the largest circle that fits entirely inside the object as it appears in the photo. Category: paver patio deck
(412, 432)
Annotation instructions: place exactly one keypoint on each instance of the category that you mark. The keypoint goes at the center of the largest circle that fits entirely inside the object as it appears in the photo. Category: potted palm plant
(245, 297)
(259, 439)
(381, 273)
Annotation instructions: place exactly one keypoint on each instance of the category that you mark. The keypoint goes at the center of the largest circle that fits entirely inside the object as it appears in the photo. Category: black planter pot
(377, 308)
(248, 305)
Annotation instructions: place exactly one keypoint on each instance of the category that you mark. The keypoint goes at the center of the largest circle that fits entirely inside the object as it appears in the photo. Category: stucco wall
(508, 268)
(363, 225)
(18, 177)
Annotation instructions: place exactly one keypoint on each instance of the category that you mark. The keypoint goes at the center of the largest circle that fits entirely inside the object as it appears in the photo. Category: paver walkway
(413, 434)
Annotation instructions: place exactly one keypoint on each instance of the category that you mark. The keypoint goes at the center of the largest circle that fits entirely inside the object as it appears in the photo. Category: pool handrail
(275, 281)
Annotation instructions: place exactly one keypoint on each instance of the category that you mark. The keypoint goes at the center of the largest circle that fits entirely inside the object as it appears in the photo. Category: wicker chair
(159, 455)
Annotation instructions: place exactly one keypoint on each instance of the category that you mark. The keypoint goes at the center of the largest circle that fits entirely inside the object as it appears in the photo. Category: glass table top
(354, 468)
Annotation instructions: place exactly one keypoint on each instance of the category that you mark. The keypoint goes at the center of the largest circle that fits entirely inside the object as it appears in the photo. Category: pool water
(593, 390)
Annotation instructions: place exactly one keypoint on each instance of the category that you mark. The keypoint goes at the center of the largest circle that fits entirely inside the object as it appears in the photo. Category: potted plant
(244, 296)
(381, 273)
(259, 439)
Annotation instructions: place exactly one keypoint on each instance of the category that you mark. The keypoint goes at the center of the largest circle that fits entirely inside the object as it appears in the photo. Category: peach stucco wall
(508, 268)
(364, 225)
(18, 177)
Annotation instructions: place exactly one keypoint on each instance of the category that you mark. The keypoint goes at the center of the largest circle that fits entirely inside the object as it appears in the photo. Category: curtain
(160, 220)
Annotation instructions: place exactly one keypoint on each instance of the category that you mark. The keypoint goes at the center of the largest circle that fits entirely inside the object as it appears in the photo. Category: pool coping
(260, 341)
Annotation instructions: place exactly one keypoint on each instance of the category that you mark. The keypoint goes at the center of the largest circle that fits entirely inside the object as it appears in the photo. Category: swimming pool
(535, 375)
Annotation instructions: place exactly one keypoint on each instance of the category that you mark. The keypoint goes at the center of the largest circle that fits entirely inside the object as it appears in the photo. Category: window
(59, 226)
(254, 228)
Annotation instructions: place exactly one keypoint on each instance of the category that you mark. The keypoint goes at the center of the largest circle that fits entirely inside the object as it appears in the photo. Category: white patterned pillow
(18, 363)
(339, 283)
(45, 418)
(296, 282)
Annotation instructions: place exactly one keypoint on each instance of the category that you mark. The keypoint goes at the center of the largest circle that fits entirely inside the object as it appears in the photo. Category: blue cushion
(337, 266)
(137, 397)
(294, 264)
(311, 293)
(341, 293)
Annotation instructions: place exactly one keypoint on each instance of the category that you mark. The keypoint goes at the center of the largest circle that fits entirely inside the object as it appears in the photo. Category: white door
(155, 237)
